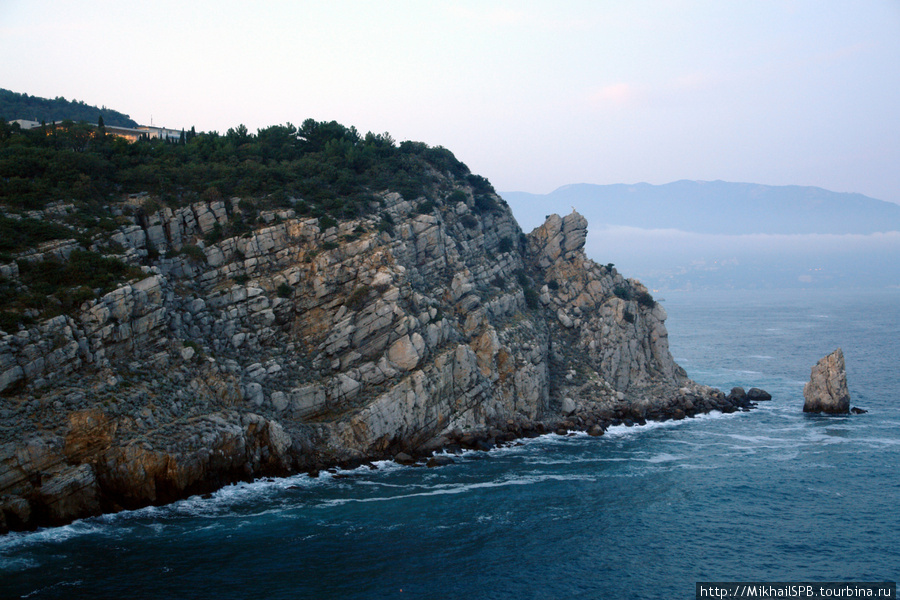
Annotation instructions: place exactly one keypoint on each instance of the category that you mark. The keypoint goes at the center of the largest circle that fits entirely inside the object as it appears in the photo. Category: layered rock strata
(294, 348)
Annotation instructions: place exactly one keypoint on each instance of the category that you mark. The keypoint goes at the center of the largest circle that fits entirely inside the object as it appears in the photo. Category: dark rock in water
(484, 445)
(737, 394)
(596, 430)
(858, 411)
(469, 440)
(404, 459)
(758, 395)
(15, 513)
(827, 388)
(439, 461)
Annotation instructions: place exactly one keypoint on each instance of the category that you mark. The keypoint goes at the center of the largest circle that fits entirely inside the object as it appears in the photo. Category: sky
(531, 94)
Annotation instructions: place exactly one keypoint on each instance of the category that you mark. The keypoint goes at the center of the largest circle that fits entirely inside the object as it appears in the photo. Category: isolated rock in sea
(827, 388)
(404, 459)
(758, 395)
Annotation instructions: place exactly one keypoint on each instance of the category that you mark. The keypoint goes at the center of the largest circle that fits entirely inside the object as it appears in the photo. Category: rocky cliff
(299, 346)
(827, 391)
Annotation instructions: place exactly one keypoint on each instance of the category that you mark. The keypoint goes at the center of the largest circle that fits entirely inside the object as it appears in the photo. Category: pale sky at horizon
(532, 95)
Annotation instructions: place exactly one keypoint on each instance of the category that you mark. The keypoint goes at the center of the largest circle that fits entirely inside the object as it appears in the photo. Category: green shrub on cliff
(457, 196)
(195, 253)
(83, 269)
(468, 221)
(53, 287)
(522, 278)
(622, 292)
(357, 298)
(10, 321)
(645, 299)
(284, 291)
(532, 299)
(485, 204)
(20, 234)
(326, 223)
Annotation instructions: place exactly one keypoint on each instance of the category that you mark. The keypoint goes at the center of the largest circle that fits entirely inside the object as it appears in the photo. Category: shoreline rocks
(594, 424)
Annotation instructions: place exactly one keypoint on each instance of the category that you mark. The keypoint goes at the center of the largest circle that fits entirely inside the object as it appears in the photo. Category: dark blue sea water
(642, 512)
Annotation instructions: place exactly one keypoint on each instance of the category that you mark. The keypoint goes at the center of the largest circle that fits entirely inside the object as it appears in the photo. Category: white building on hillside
(130, 133)
(160, 132)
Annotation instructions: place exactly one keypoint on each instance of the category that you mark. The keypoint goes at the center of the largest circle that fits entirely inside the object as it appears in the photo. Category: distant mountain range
(712, 207)
(32, 108)
(695, 235)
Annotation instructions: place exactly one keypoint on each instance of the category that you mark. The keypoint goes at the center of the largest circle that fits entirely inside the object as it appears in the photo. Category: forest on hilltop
(32, 108)
(319, 168)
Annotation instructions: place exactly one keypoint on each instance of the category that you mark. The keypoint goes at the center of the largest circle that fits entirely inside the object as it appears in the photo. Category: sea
(642, 512)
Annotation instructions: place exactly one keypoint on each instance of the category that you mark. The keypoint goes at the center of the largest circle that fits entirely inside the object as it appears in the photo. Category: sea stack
(827, 388)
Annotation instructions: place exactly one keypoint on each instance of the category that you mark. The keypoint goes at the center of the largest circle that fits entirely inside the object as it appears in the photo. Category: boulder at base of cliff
(827, 388)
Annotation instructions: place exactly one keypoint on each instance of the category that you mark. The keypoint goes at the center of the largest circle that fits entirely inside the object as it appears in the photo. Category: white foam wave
(13, 544)
(61, 584)
(664, 458)
(755, 439)
(457, 488)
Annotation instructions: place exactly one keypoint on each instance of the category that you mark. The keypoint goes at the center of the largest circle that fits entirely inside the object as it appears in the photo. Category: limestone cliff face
(293, 348)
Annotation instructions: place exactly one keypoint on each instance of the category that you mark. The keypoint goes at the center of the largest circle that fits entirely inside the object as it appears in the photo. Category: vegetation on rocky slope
(72, 181)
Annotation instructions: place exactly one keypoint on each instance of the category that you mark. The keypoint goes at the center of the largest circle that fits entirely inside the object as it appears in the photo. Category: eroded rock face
(388, 342)
(827, 390)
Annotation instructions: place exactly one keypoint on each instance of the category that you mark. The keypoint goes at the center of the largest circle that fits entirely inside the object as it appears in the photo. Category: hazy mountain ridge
(715, 207)
(722, 235)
